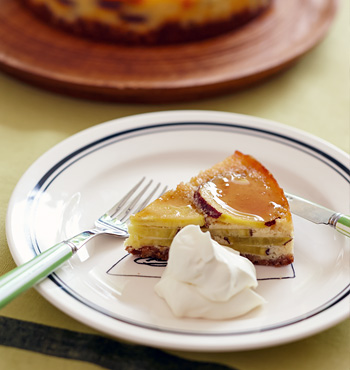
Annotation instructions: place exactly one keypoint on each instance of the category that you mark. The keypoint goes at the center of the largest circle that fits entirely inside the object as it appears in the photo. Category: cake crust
(159, 253)
(146, 251)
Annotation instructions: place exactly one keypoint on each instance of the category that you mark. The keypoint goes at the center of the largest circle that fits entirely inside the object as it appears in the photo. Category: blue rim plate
(111, 291)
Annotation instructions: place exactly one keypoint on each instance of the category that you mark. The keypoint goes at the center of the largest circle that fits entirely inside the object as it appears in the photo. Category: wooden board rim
(49, 58)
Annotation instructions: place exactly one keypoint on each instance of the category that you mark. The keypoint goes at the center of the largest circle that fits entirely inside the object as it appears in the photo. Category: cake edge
(168, 33)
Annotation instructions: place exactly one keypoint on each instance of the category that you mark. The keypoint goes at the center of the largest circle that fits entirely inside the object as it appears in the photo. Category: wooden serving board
(58, 61)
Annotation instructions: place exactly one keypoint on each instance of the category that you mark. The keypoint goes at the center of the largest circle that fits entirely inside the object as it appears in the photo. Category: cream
(204, 279)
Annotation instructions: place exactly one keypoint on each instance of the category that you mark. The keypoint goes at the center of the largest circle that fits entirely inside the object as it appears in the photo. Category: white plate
(73, 183)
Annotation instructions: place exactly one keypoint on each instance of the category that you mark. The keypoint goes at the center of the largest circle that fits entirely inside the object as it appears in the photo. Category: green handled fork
(113, 222)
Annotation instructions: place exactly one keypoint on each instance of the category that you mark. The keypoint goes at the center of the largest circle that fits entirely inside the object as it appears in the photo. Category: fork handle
(25, 276)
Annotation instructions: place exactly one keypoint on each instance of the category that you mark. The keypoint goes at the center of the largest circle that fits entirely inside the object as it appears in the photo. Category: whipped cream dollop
(204, 279)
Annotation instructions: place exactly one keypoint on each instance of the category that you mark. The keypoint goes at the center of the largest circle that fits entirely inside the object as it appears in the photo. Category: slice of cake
(147, 21)
(237, 200)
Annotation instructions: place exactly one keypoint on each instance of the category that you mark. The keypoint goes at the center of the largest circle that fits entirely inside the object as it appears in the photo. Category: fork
(113, 222)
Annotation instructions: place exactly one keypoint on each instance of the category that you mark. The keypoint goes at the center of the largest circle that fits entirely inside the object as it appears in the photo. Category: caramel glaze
(245, 197)
(251, 193)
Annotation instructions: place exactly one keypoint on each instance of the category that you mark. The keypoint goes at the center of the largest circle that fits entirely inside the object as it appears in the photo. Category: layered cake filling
(148, 21)
(238, 201)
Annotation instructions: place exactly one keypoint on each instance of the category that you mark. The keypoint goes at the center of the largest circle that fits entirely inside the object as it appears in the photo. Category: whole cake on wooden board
(237, 200)
(148, 21)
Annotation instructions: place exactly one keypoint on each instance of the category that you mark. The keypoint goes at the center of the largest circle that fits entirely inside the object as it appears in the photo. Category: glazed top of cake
(236, 190)
(240, 188)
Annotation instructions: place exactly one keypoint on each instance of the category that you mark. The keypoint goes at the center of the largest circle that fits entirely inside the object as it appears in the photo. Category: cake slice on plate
(237, 200)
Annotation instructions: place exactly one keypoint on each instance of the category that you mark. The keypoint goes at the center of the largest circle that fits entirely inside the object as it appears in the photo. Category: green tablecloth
(312, 96)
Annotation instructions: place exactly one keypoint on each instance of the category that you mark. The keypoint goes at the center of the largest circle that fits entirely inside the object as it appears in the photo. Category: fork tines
(130, 203)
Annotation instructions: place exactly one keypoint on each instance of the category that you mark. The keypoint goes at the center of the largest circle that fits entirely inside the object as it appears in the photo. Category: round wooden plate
(50, 58)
